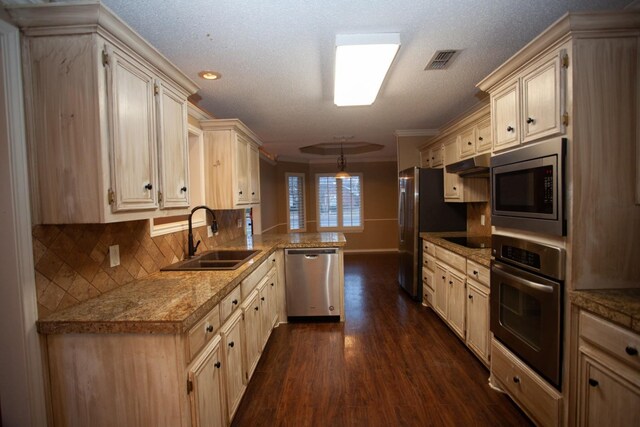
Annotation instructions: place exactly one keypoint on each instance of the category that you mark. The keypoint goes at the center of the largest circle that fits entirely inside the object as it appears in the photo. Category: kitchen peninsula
(175, 347)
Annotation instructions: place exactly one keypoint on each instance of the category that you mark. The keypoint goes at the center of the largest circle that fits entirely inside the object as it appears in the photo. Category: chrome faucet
(214, 229)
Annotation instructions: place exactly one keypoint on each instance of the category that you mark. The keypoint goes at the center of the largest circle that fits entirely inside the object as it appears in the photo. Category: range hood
(473, 167)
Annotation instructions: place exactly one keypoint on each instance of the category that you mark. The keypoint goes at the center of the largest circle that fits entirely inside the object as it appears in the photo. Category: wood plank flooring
(392, 363)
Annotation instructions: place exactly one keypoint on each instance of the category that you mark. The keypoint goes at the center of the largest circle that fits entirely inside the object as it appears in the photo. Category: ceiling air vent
(441, 60)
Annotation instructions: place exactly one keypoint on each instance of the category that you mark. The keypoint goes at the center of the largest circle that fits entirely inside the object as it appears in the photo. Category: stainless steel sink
(213, 260)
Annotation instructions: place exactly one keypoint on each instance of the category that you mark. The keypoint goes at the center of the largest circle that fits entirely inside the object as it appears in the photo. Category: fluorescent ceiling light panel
(362, 62)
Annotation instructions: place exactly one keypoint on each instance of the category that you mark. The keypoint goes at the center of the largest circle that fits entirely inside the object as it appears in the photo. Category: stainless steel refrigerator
(422, 208)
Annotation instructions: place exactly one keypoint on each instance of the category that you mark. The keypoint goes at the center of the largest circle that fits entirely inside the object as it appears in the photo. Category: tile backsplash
(72, 261)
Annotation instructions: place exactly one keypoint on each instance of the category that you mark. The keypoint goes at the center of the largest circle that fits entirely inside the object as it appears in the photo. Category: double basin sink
(213, 260)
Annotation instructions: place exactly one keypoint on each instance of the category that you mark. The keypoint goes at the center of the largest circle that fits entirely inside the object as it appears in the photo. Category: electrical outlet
(481, 219)
(114, 255)
(240, 223)
(209, 232)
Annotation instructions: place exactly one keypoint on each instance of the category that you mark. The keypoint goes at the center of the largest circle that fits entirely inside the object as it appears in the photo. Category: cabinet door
(254, 173)
(541, 100)
(172, 148)
(266, 319)
(437, 156)
(130, 93)
(452, 187)
(207, 396)
(478, 321)
(467, 143)
(441, 291)
(232, 361)
(608, 397)
(242, 170)
(483, 137)
(504, 111)
(252, 329)
(456, 313)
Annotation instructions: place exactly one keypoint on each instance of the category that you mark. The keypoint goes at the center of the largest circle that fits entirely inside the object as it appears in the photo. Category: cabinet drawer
(538, 399)
(453, 260)
(429, 247)
(429, 262)
(428, 296)
(615, 340)
(250, 283)
(202, 332)
(478, 272)
(229, 303)
(427, 278)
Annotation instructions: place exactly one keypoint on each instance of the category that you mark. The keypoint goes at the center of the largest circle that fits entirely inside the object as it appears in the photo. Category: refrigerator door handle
(401, 214)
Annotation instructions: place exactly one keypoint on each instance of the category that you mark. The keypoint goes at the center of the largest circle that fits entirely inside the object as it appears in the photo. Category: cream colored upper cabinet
(130, 93)
(452, 185)
(505, 111)
(101, 118)
(483, 137)
(542, 90)
(173, 147)
(467, 143)
(436, 155)
(232, 174)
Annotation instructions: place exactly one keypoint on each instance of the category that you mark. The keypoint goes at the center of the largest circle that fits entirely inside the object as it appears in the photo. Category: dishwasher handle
(312, 252)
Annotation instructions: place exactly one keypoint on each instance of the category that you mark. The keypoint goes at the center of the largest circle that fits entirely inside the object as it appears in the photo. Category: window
(339, 202)
(295, 202)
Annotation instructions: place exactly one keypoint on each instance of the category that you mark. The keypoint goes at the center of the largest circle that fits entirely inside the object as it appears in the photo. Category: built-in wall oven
(528, 188)
(526, 302)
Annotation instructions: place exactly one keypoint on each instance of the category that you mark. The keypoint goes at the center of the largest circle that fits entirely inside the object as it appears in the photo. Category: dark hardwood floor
(392, 363)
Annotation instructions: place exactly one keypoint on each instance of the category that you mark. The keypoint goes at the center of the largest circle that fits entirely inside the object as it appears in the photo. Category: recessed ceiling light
(362, 62)
(210, 75)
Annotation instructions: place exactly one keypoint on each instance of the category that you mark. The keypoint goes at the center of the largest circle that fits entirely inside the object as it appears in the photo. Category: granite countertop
(171, 302)
(481, 255)
(621, 306)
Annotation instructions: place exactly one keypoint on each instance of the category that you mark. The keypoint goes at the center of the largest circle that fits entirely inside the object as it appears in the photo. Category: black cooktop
(476, 242)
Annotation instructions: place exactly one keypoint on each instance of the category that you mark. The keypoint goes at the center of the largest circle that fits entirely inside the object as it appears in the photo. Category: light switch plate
(481, 219)
(209, 232)
(114, 255)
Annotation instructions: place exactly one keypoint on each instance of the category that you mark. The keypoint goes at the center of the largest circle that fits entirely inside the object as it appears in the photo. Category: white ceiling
(277, 57)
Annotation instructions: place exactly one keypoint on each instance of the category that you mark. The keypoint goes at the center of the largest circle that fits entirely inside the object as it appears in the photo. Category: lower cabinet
(478, 320)
(231, 333)
(450, 298)
(207, 397)
(608, 374)
(252, 333)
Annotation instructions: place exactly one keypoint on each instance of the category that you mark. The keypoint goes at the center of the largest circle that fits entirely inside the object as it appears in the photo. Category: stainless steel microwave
(528, 188)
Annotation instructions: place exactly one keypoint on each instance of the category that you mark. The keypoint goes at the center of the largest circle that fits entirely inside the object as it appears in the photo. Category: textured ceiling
(276, 59)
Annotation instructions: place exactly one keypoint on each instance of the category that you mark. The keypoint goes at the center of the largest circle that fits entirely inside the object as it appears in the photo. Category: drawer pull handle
(231, 344)
(593, 383)
(209, 328)
(234, 302)
(217, 365)
(631, 351)
(516, 379)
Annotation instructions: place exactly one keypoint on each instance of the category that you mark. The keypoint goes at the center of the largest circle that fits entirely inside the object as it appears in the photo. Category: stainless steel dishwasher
(313, 282)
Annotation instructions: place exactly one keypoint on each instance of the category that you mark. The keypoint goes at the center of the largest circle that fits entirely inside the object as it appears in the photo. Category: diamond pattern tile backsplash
(72, 261)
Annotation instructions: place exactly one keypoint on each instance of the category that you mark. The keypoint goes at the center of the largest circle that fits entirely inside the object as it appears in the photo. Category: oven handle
(498, 269)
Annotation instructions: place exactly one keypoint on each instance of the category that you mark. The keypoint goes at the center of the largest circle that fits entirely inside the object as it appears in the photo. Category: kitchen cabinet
(117, 149)
(467, 143)
(531, 107)
(460, 190)
(450, 292)
(428, 273)
(436, 156)
(234, 374)
(484, 143)
(232, 172)
(441, 294)
(477, 335)
(208, 407)
(268, 306)
(608, 373)
(252, 330)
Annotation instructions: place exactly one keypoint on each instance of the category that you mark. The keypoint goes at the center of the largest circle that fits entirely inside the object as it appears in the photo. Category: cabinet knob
(510, 129)
(471, 297)
(148, 186)
(217, 365)
(433, 158)
(272, 284)
(240, 192)
(209, 328)
(443, 277)
(593, 383)
(256, 308)
(516, 379)
(450, 282)
(454, 188)
(231, 344)
(183, 189)
(530, 120)
(261, 298)
(469, 142)
(475, 273)
(631, 351)
(253, 193)
(234, 302)
(480, 138)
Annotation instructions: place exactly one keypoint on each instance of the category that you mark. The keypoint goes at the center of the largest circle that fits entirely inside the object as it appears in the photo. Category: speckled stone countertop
(170, 302)
(621, 306)
(481, 256)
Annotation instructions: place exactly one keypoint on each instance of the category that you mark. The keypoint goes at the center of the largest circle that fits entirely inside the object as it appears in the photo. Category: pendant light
(342, 164)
